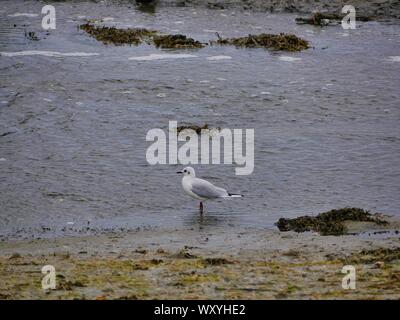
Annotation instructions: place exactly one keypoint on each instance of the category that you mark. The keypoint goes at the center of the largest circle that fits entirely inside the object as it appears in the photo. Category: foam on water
(47, 53)
(156, 56)
(18, 14)
(289, 59)
(215, 58)
(394, 58)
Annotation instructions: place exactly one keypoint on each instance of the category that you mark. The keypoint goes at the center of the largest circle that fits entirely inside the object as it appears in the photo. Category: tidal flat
(78, 193)
(202, 264)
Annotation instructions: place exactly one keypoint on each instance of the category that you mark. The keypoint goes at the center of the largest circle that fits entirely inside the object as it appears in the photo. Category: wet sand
(376, 8)
(79, 154)
(203, 264)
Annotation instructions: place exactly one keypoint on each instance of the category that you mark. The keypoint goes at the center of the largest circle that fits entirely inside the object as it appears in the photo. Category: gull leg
(201, 207)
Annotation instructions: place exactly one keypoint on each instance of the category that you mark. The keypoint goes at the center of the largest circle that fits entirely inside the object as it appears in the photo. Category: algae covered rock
(330, 222)
(279, 42)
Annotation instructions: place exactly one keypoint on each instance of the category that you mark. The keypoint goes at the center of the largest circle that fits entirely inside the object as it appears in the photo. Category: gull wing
(205, 189)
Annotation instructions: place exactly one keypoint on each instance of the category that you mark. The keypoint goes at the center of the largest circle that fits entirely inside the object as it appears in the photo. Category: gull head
(188, 171)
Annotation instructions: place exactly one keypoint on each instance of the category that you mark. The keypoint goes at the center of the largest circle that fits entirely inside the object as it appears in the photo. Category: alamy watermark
(349, 280)
(349, 20)
(49, 280)
(49, 20)
(237, 149)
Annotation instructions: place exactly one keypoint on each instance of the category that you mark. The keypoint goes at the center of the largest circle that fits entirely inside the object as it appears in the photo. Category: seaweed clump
(196, 128)
(328, 223)
(216, 261)
(176, 41)
(324, 19)
(31, 35)
(278, 42)
(192, 127)
(136, 36)
(117, 36)
(185, 253)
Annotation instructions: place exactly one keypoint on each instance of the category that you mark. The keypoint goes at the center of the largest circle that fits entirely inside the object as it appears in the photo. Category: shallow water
(74, 116)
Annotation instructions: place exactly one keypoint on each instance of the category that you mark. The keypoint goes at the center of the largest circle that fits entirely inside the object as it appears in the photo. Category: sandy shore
(204, 264)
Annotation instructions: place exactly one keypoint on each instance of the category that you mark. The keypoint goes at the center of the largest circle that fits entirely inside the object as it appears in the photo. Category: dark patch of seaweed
(330, 222)
(112, 35)
(278, 42)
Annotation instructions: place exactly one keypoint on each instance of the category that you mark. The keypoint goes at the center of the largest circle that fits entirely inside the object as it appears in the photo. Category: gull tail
(235, 195)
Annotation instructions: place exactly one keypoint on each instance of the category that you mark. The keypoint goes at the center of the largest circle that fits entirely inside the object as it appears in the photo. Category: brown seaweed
(192, 127)
(328, 223)
(282, 41)
(196, 128)
(117, 36)
(176, 41)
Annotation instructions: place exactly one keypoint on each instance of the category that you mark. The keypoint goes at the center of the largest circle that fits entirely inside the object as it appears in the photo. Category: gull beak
(179, 171)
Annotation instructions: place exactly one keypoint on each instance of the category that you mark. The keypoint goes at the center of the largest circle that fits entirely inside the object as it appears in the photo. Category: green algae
(216, 261)
(328, 223)
(194, 278)
(295, 272)
(277, 42)
(176, 278)
(375, 255)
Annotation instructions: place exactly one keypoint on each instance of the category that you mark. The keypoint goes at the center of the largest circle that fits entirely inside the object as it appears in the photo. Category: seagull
(201, 189)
